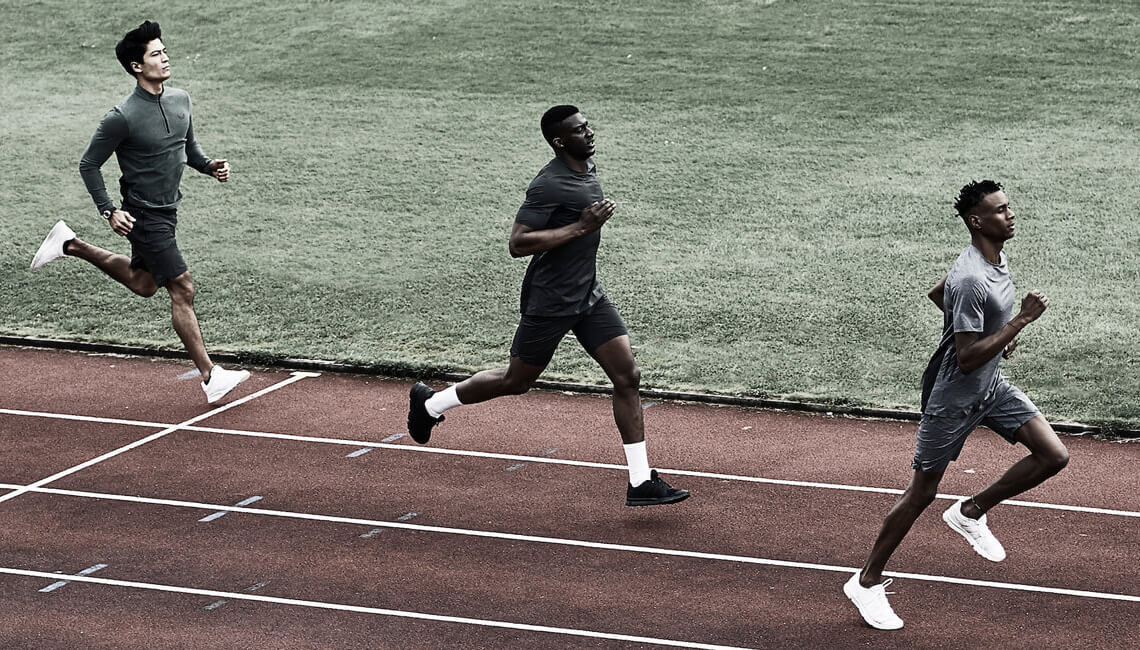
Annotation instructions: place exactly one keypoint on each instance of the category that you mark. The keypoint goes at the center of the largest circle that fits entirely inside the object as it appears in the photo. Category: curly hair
(972, 194)
(132, 48)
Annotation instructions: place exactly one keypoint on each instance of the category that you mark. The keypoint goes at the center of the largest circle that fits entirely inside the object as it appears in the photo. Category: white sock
(638, 460)
(440, 402)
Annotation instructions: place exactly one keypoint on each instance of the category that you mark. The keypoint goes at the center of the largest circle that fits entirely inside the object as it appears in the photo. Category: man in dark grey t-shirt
(962, 389)
(152, 136)
(559, 226)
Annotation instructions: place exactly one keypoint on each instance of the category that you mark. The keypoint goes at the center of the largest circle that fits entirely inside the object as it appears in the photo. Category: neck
(989, 248)
(152, 87)
(572, 162)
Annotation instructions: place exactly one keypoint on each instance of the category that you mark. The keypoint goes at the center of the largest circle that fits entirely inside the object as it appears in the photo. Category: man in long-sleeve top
(152, 136)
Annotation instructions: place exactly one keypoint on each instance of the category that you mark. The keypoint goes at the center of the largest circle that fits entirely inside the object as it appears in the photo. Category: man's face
(155, 65)
(993, 217)
(577, 138)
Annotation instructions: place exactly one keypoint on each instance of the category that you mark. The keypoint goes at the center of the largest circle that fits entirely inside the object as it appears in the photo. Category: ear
(974, 221)
(136, 66)
(556, 142)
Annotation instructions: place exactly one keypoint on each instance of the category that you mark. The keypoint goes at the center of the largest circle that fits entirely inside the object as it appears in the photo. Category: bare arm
(974, 352)
(935, 293)
(526, 241)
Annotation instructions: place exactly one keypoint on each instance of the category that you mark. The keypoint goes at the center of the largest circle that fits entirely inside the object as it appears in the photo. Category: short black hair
(132, 48)
(972, 194)
(553, 117)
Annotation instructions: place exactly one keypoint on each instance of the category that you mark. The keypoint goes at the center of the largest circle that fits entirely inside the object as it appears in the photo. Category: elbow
(965, 366)
(515, 249)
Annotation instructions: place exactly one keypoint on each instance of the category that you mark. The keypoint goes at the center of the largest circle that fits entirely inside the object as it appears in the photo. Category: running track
(119, 489)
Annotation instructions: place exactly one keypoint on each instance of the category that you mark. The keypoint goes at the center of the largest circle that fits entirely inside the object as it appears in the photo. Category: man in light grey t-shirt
(963, 388)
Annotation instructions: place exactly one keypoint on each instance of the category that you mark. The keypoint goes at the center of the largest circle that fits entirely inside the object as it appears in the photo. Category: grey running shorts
(537, 337)
(940, 437)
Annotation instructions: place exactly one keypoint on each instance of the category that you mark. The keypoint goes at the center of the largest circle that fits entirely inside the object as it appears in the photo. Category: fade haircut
(972, 194)
(553, 117)
(132, 48)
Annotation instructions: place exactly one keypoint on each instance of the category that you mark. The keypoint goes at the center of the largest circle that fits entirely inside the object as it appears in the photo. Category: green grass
(784, 171)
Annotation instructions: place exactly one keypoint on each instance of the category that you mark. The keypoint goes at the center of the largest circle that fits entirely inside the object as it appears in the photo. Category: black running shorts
(153, 247)
(537, 338)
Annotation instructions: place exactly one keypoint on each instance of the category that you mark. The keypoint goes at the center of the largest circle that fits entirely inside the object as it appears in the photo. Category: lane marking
(742, 559)
(223, 513)
(543, 454)
(218, 603)
(359, 452)
(556, 461)
(88, 571)
(394, 437)
(189, 374)
(380, 611)
(376, 531)
(296, 376)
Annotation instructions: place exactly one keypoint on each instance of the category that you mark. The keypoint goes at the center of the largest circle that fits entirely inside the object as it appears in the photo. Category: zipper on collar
(164, 121)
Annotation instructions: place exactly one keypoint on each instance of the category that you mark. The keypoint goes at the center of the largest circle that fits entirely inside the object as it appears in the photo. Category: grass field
(784, 171)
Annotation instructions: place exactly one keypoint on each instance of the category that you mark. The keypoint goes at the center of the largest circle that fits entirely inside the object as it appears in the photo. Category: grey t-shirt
(561, 281)
(978, 297)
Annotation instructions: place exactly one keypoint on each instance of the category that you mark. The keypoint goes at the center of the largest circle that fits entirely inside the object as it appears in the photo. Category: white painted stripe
(558, 461)
(223, 513)
(296, 376)
(394, 437)
(743, 559)
(88, 571)
(382, 612)
(359, 452)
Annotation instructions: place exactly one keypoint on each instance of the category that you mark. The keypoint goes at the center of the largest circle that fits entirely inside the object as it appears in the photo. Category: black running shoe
(419, 421)
(653, 492)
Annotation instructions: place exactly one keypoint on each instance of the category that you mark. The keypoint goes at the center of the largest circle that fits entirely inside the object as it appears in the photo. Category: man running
(559, 225)
(151, 134)
(962, 389)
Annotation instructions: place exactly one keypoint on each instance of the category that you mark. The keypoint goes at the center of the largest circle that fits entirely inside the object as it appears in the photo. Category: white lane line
(218, 603)
(381, 611)
(359, 452)
(559, 461)
(88, 571)
(223, 513)
(296, 376)
(743, 559)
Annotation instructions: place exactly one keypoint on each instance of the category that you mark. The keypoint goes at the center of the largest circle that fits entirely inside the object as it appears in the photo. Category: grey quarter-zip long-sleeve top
(153, 138)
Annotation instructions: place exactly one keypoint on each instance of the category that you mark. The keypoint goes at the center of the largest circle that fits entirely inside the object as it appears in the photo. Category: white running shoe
(872, 604)
(52, 248)
(222, 381)
(975, 531)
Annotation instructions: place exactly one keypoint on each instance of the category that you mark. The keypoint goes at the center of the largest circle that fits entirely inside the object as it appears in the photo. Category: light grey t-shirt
(978, 297)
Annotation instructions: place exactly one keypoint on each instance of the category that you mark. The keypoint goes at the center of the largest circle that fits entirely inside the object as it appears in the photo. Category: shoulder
(115, 118)
(177, 95)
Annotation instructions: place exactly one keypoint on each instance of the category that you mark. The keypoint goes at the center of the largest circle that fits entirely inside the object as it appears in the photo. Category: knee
(516, 385)
(629, 380)
(181, 290)
(920, 499)
(1056, 460)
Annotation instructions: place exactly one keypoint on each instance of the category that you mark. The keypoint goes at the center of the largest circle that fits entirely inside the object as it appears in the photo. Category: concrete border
(401, 372)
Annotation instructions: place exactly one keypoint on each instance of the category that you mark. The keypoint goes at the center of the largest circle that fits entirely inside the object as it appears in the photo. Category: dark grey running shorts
(537, 338)
(940, 437)
(153, 247)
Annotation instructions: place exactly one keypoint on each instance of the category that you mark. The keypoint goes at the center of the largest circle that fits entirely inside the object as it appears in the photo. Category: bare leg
(616, 358)
(515, 379)
(185, 321)
(919, 495)
(118, 267)
(1047, 456)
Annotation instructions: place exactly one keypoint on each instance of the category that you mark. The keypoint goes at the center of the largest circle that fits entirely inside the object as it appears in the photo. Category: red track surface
(363, 563)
